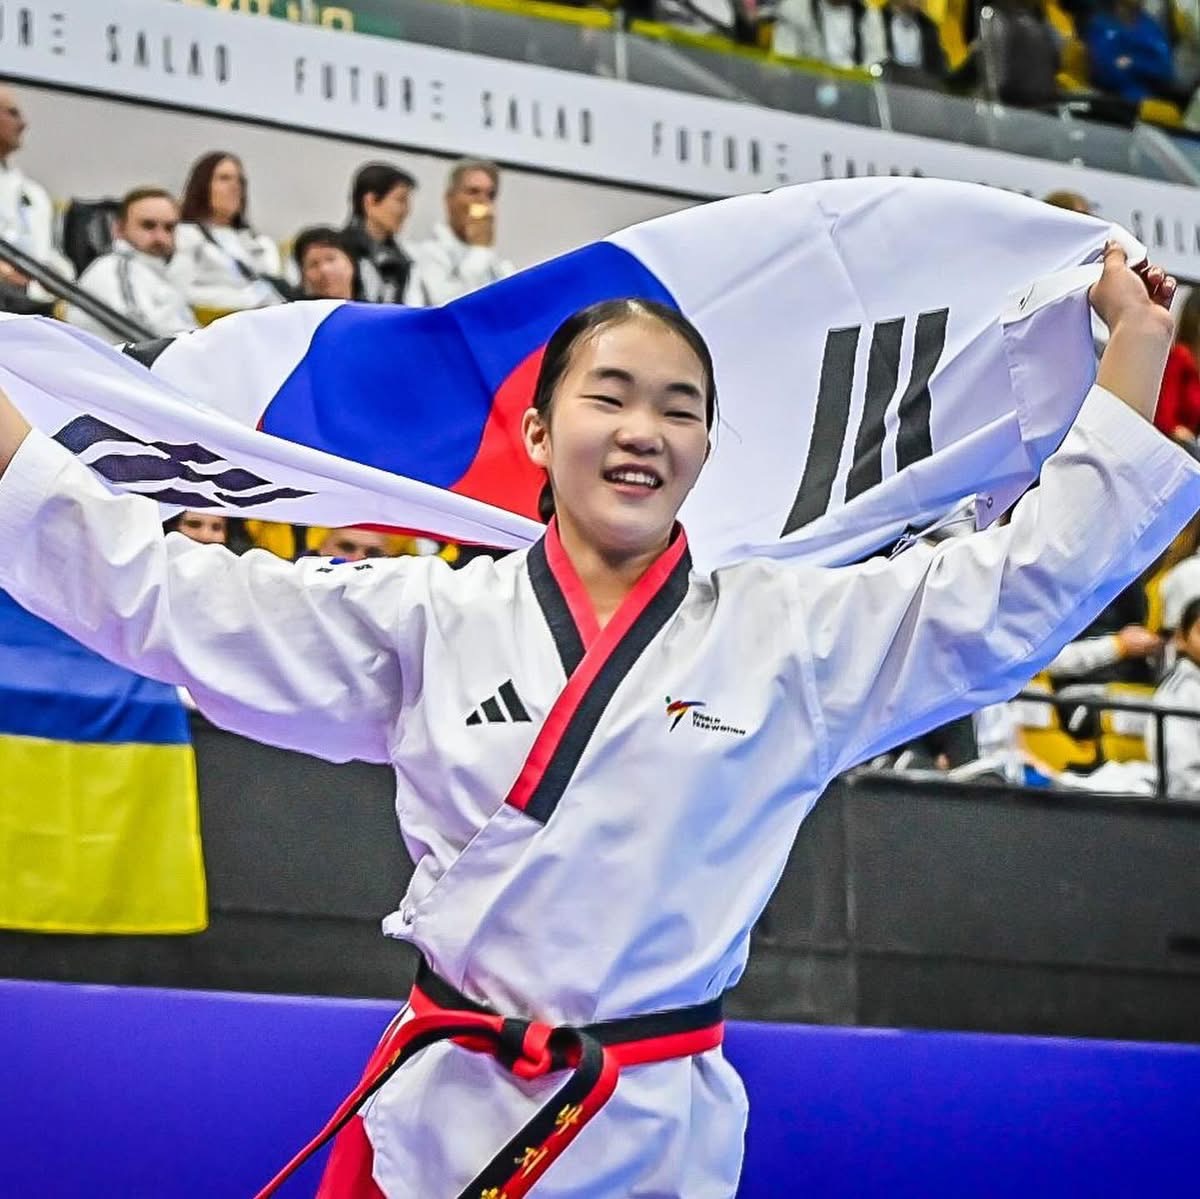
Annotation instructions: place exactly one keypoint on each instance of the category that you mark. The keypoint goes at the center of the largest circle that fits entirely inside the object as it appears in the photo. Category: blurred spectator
(913, 44)
(461, 257)
(205, 527)
(354, 544)
(944, 748)
(1089, 657)
(1178, 412)
(380, 200)
(1130, 53)
(1181, 689)
(327, 271)
(1132, 655)
(842, 33)
(26, 217)
(1179, 586)
(1071, 201)
(132, 277)
(1020, 54)
(220, 263)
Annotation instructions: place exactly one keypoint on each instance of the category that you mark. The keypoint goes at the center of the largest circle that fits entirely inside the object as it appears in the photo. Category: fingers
(1115, 256)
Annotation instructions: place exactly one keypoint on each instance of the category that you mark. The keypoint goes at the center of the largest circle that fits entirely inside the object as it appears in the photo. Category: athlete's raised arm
(304, 656)
(900, 646)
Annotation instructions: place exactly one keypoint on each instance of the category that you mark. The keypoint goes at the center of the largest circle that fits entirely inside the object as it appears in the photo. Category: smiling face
(625, 436)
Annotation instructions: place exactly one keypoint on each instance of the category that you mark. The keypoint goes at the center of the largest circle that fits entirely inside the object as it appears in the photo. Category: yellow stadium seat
(1123, 734)
(269, 535)
(1041, 735)
(950, 18)
(1074, 68)
(1160, 112)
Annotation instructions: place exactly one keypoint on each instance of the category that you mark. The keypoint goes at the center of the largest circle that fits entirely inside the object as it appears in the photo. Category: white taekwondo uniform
(582, 851)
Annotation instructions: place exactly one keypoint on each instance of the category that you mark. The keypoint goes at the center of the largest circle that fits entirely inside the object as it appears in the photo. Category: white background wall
(88, 147)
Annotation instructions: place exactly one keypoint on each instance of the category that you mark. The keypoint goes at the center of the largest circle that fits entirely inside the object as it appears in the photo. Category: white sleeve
(898, 647)
(1083, 656)
(305, 656)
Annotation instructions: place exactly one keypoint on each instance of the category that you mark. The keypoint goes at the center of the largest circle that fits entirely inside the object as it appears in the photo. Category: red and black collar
(594, 660)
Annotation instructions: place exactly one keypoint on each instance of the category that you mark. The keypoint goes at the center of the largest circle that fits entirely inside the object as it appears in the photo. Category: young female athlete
(602, 757)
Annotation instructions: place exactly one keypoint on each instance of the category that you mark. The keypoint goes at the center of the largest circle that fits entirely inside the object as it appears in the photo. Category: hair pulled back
(560, 349)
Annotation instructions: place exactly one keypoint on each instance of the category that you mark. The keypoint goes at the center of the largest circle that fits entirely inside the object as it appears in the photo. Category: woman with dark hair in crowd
(328, 270)
(602, 756)
(220, 263)
(1178, 413)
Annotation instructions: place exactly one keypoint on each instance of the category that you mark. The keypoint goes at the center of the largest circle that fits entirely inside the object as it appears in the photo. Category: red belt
(593, 1054)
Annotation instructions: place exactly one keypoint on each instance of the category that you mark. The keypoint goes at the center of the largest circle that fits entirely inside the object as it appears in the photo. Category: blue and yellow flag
(99, 823)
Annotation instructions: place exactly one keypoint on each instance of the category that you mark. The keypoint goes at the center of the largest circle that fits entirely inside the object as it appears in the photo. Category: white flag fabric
(884, 348)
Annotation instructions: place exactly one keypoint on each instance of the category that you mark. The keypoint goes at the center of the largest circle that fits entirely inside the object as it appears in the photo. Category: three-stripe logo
(831, 424)
(490, 711)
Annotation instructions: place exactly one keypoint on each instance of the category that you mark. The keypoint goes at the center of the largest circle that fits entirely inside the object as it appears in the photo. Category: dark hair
(137, 195)
(324, 235)
(1189, 616)
(561, 348)
(376, 179)
(318, 235)
(196, 204)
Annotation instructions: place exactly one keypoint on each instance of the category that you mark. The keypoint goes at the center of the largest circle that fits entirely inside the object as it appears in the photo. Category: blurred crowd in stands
(1113, 60)
(171, 263)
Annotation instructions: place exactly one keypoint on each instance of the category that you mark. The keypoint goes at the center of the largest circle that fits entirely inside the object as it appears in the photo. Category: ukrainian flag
(99, 822)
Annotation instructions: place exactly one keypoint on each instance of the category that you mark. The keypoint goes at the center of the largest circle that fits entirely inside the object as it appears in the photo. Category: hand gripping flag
(884, 348)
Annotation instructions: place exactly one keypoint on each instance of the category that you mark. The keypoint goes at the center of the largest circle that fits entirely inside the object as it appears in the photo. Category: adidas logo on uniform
(491, 712)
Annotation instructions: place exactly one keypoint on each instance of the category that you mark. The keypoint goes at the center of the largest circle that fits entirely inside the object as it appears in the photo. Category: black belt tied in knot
(593, 1054)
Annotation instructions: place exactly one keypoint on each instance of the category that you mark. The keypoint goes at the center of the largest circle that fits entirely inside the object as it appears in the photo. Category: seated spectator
(842, 33)
(1130, 53)
(380, 200)
(1021, 54)
(1085, 660)
(1178, 412)
(914, 53)
(205, 527)
(327, 270)
(1181, 689)
(26, 218)
(1180, 585)
(220, 263)
(132, 277)
(354, 544)
(1115, 648)
(461, 256)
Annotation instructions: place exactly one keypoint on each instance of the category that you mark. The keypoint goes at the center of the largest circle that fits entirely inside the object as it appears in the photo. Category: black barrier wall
(903, 904)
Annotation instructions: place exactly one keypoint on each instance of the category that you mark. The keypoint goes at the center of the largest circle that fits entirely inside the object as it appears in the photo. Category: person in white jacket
(220, 263)
(132, 278)
(602, 755)
(26, 212)
(1181, 689)
(461, 255)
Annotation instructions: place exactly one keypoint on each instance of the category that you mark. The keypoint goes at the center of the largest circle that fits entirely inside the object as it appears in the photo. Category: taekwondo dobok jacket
(598, 816)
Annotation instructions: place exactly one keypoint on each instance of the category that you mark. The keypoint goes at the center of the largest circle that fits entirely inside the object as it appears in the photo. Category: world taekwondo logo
(677, 709)
(186, 475)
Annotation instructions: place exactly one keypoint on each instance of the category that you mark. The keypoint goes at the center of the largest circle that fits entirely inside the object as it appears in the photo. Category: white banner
(423, 97)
